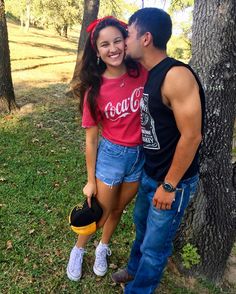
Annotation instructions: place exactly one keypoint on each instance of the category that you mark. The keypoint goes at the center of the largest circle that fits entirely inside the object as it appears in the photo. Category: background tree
(61, 14)
(180, 42)
(27, 14)
(64, 14)
(7, 96)
(121, 9)
(58, 14)
(210, 223)
(91, 8)
(177, 5)
(21, 10)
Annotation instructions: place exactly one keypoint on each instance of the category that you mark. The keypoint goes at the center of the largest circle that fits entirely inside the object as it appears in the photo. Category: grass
(42, 172)
(39, 58)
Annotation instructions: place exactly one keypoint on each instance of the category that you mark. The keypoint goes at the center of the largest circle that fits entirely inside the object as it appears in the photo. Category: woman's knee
(116, 213)
(102, 221)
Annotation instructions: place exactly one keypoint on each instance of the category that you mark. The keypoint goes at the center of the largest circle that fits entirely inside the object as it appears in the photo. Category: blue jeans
(155, 231)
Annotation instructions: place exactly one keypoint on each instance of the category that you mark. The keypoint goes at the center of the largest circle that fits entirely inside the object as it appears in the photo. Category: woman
(110, 90)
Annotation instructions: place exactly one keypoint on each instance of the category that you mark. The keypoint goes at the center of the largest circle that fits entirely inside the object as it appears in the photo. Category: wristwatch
(168, 187)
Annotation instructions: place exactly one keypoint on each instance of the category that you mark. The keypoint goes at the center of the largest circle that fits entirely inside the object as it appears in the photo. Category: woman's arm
(91, 154)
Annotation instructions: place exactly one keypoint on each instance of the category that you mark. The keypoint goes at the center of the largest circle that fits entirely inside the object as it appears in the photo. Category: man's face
(133, 43)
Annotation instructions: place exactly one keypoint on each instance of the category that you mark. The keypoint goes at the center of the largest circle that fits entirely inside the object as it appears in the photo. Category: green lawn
(42, 172)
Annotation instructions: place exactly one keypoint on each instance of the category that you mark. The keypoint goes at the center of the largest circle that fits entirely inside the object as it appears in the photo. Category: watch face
(168, 187)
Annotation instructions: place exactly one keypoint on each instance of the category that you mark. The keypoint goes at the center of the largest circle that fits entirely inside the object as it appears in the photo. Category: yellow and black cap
(83, 220)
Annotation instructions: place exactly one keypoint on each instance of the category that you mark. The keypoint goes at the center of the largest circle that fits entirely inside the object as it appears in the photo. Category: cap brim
(85, 230)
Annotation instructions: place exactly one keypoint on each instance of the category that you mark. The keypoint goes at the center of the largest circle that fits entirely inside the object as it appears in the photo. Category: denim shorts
(116, 163)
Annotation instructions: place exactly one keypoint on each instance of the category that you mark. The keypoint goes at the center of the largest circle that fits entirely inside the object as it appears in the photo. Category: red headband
(91, 28)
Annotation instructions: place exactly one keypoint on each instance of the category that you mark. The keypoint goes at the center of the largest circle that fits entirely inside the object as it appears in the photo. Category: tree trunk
(22, 20)
(7, 96)
(64, 31)
(210, 222)
(91, 8)
(27, 16)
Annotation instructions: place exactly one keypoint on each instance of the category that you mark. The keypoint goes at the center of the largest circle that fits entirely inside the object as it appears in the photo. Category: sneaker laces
(101, 256)
(79, 253)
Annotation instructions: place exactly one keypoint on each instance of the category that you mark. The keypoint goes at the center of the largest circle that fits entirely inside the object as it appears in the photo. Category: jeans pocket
(112, 151)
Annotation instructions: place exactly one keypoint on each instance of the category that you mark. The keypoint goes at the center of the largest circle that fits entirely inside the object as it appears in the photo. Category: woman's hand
(89, 190)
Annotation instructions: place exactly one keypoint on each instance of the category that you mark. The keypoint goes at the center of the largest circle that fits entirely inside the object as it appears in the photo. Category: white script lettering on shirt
(125, 107)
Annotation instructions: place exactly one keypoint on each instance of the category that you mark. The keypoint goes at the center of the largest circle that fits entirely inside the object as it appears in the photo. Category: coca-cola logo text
(125, 107)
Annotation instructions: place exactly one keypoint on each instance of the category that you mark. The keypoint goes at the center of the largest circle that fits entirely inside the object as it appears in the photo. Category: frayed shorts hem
(112, 183)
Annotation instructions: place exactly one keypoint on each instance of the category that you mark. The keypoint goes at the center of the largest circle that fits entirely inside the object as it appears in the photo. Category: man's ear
(147, 39)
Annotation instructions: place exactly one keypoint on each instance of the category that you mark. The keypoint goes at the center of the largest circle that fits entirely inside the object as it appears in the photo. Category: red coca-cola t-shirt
(118, 108)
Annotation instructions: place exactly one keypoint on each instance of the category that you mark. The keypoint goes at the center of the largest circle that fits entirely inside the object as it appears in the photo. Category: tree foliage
(177, 5)
(63, 14)
(119, 8)
(59, 14)
(180, 43)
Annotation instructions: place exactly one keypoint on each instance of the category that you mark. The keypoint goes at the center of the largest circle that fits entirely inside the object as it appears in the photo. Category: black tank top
(159, 131)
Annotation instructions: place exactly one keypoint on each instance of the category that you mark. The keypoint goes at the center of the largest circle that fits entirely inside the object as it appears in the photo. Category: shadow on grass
(45, 46)
(39, 57)
(70, 38)
(43, 64)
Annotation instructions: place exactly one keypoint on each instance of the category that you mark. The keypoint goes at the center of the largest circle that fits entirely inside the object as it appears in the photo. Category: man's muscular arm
(180, 92)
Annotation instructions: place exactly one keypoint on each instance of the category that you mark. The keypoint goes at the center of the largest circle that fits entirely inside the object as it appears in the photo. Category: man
(172, 111)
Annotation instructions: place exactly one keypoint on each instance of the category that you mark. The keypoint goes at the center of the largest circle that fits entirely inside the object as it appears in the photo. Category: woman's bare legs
(124, 195)
(107, 198)
(112, 200)
(127, 192)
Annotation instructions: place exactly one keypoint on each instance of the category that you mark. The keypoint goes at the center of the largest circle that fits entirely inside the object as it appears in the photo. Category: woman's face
(111, 46)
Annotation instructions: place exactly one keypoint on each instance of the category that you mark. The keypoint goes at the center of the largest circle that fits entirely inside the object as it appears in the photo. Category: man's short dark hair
(153, 20)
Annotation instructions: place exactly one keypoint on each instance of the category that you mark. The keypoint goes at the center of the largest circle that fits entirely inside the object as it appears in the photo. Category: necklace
(120, 80)
(122, 84)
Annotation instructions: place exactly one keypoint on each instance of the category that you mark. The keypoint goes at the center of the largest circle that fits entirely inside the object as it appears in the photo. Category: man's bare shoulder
(180, 73)
(179, 84)
(179, 78)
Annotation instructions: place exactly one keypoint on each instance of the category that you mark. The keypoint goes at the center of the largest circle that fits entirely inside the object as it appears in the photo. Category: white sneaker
(100, 264)
(74, 267)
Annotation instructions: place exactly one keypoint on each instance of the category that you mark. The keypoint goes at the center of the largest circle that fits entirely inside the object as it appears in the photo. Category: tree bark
(91, 8)
(210, 221)
(22, 20)
(64, 31)
(7, 96)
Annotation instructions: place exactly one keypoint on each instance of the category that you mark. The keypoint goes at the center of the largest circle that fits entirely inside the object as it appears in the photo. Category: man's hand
(162, 199)
(89, 190)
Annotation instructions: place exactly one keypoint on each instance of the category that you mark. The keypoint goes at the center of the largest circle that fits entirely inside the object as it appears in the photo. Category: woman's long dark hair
(89, 74)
